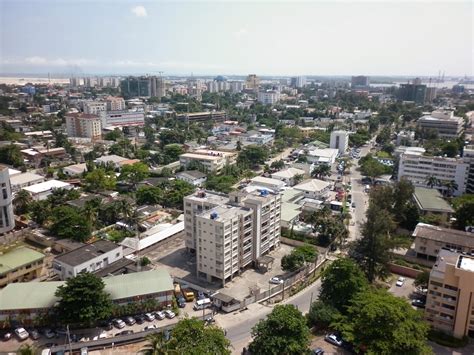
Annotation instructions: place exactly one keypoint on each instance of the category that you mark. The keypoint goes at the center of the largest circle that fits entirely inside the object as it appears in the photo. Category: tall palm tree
(432, 181)
(22, 202)
(158, 345)
(451, 186)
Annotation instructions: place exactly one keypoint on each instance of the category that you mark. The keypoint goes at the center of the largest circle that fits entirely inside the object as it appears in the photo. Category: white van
(201, 304)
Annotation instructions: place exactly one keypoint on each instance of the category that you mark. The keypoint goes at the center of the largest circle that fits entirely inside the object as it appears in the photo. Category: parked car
(160, 315)
(124, 332)
(418, 303)
(118, 323)
(317, 351)
(334, 339)
(181, 302)
(276, 280)
(140, 319)
(7, 336)
(149, 317)
(21, 333)
(129, 320)
(34, 334)
(353, 205)
(400, 281)
(149, 327)
(201, 295)
(49, 333)
(107, 325)
(169, 314)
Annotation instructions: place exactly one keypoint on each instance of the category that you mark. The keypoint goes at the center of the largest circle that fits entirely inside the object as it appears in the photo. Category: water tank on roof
(263, 192)
(214, 215)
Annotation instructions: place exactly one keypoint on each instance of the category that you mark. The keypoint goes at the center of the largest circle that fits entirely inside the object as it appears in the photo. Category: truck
(188, 294)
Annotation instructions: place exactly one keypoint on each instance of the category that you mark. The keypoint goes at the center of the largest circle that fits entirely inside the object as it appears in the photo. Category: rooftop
(313, 185)
(16, 258)
(288, 173)
(45, 186)
(466, 263)
(25, 178)
(194, 174)
(87, 252)
(440, 234)
(210, 196)
(112, 158)
(201, 156)
(268, 181)
(431, 200)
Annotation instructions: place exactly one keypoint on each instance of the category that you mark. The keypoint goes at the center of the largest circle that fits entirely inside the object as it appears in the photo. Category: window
(4, 191)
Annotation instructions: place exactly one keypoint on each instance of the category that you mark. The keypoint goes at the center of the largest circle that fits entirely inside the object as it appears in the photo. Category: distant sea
(10, 80)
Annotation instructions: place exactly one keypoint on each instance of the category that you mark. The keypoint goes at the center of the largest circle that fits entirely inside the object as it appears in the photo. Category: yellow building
(450, 301)
(19, 265)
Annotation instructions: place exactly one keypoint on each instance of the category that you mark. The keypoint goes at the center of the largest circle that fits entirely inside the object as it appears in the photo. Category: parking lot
(403, 291)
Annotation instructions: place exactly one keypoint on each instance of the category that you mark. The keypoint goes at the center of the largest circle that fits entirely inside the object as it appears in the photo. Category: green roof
(290, 194)
(319, 144)
(32, 295)
(18, 257)
(289, 211)
(430, 200)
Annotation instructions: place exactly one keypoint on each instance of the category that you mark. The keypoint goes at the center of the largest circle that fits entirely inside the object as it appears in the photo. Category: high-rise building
(7, 220)
(252, 82)
(236, 86)
(339, 140)
(158, 87)
(443, 122)
(360, 81)
(115, 103)
(134, 86)
(83, 125)
(468, 158)
(94, 107)
(268, 97)
(229, 233)
(298, 81)
(419, 168)
(412, 92)
(449, 305)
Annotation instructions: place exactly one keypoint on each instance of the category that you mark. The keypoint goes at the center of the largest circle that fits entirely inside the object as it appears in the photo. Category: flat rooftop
(17, 258)
(87, 252)
(209, 196)
(431, 200)
(201, 156)
(466, 263)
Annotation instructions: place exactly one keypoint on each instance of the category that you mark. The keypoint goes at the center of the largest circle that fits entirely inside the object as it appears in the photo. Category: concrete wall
(404, 270)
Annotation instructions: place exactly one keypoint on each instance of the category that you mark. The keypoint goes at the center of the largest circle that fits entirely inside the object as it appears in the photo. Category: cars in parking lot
(149, 327)
(21, 333)
(124, 332)
(140, 319)
(118, 323)
(418, 303)
(107, 325)
(129, 320)
(400, 281)
(34, 334)
(317, 351)
(169, 314)
(181, 302)
(160, 315)
(276, 280)
(201, 295)
(49, 333)
(334, 339)
(7, 336)
(149, 317)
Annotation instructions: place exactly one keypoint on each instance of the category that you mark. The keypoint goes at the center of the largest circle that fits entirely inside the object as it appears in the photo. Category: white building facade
(7, 219)
(339, 140)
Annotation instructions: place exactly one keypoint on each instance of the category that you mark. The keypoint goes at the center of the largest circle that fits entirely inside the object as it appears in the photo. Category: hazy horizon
(378, 39)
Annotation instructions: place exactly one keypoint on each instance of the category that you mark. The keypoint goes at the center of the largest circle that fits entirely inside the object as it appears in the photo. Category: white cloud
(241, 32)
(139, 11)
(42, 61)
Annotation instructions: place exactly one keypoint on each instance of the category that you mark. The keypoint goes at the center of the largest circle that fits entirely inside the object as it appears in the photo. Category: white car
(21, 333)
(169, 314)
(149, 327)
(160, 315)
(400, 281)
(149, 317)
(276, 280)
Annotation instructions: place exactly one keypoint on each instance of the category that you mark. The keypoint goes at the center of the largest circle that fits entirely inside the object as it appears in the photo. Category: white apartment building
(94, 107)
(339, 140)
(83, 125)
(468, 158)
(443, 122)
(115, 103)
(212, 160)
(268, 97)
(123, 119)
(7, 220)
(88, 258)
(417, 169)
(228, 233)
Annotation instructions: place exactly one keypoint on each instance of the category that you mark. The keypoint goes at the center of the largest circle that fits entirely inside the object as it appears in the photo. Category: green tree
(149, 195)
(191, 336)
(340, 282)
(114, 135)
(422, 279)
(22, 202)
(284, 331)
(11, 155)
(40, 211)
(99, 180)
(83, 301)
(27, 349)
(381, 323)
(277, 164)
(66, 222)
(450, 186)
(321, 171)
(321, 315)
(298, 178)
(158, 345)
(372, 169)
(298, 257)
(134, 173)
(464, 210)
(432, 181)
(253, 155)
(172, 152)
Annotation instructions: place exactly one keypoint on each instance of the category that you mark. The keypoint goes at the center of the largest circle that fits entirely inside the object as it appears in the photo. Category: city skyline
(268, 38)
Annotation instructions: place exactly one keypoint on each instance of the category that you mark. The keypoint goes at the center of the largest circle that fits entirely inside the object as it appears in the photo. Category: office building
(19, 265)
(468, 158)
(229, 233)
(360, 81)
(449, 305)
(412, 92)
(83, 125)
(268, 97)
(215, 116)
(418, 168)
(211, 160)
(298, 81)
(115, 103)
(123, 119)
(339, 140)
(443, 122)
(89, 258)
(252, 82)
(7, 220)
(94, 107)
(134, 86)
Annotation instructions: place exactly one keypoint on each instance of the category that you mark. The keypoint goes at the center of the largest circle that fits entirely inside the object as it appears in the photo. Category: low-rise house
(20, 181)
(290, 214)
(429, 240)
(322, 156)
(213, 161)
(272, 184)
(28, 300)
(288, 176)
(431, 202)
(75, 170)
(314, 188)
(193, 177)
(43, 190)
(116, 160)
(88, 258)
(20, 264)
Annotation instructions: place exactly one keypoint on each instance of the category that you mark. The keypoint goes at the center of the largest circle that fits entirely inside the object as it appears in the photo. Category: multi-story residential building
(339, 140)
(7, 220)
(123, 119)
(444, 123)
(298, 81)
(268, 97)
(360, 81)
(418, 168)
(216, 116)
(236, 86)
(89, 258)
(229, 233)
(83, 125)
(94, 107)
(157, 87)
(19, 181)
(429, 240)
(468, 158)
(449, 305)
(115, 103)
(20, 264)
(212, 160)
(412, 92)
(252, 82)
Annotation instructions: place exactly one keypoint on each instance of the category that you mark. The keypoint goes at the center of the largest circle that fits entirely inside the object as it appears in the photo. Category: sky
(236, 37)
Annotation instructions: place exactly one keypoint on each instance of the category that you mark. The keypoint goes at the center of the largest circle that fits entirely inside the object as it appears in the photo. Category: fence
(404, 270)
(297, 243)
(13, 236)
